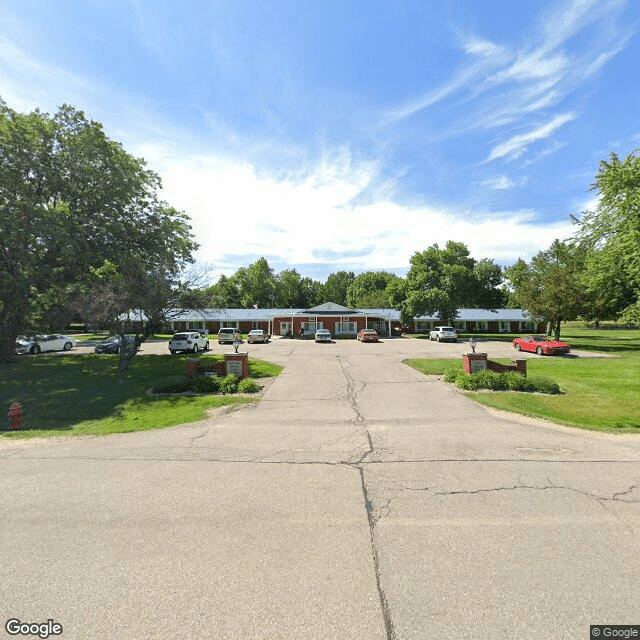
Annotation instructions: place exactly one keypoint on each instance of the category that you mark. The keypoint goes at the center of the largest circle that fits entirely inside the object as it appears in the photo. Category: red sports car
(541, 345)
(367, 335)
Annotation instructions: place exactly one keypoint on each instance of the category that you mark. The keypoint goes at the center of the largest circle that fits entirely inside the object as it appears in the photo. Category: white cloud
(516, 145)
(307, 219)
(499, 182)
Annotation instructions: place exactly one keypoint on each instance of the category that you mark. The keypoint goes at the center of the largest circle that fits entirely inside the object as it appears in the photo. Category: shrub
(206, 384)
(516, 381)
(545, 385)
(500, 381)
(229, 384)
(248, 386)
(172, 384)
(451, 375)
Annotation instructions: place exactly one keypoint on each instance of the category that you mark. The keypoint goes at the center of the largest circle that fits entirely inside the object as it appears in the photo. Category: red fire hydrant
(15, 416)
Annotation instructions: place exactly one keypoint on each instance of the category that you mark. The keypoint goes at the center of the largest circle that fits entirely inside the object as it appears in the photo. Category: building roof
(263, 315)
(504, 315)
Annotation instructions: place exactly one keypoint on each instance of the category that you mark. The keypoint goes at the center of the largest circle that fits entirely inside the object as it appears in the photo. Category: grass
(71, 394)
(596, 393)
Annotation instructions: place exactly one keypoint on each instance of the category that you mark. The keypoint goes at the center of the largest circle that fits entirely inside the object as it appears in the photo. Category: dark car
(113, 344)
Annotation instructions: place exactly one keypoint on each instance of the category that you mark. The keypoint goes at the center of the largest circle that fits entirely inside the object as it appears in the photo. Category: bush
(501, 381)
(451, 375)
(229, 384)
(248, 386)
(545, 385)
(206, 384)
(515, 381)
(172, 384)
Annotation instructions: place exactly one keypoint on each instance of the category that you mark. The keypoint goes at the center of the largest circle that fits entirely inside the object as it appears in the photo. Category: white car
(229, 334)
(52, 342)
(257, 335)
(444, 334)
(323, 335)
(188, 341)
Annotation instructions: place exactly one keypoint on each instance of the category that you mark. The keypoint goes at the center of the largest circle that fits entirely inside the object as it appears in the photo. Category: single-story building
(485, 321)
(343, 321)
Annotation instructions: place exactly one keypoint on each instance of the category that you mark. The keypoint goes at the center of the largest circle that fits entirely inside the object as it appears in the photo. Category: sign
(477, 364)
(234, 366)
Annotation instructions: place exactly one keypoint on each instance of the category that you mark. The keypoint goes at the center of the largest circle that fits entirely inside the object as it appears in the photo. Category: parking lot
(359, 499)
(397, 347)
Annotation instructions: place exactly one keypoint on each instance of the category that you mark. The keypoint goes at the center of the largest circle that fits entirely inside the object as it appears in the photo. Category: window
(285, 328)
(346, 327)
(312, 327)
(459, 325)
(231, 325)
(424, 325)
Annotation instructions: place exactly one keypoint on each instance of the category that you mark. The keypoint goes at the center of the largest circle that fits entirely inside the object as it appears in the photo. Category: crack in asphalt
(380, 492)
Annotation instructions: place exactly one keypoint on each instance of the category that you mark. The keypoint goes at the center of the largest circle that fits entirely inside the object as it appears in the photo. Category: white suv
(444, 334)
(188, 341)
(228, 334)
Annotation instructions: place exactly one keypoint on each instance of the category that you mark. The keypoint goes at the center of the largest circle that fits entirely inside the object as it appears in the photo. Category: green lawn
(597, 393)
(69, 394)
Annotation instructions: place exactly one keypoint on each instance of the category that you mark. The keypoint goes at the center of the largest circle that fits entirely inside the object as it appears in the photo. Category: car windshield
(539, 339)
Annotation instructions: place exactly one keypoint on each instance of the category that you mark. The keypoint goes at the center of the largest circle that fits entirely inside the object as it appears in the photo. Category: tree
(550, 285)
(369, 290)
(288, 289)
(140, 301)
(336, 286)
(442, 281)
(71, 202)
(612, 234)
(256, 284)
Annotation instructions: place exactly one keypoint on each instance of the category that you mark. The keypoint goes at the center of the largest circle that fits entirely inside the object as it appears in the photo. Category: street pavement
(359, 499)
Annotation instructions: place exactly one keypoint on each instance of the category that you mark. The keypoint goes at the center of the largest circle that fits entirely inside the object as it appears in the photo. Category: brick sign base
(237, 363)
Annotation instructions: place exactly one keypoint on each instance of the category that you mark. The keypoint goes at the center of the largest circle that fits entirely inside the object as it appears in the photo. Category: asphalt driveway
(358, 499)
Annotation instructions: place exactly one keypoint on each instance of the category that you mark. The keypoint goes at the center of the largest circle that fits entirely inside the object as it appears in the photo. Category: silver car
(444, 334)
(257, 335)
(323, 335)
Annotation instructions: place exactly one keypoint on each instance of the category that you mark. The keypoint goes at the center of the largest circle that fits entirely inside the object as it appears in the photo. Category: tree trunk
(7, 348)
(557, 329)
(9, 331)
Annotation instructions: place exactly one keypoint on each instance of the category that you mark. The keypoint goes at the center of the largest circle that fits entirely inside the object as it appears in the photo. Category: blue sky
(346, 134)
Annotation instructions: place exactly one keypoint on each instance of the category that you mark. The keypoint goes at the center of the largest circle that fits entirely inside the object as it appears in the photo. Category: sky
(346, 134)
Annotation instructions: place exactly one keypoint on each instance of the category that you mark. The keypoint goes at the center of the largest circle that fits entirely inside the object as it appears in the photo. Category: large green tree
(72, 201)
(370, 290)
(611, 233)
(337, 285)
(441, 281)
(550, 285)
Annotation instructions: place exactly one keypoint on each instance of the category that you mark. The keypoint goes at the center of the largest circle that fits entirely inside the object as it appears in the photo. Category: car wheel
(117, 350)
(67, 346)
(206, 346)
(173, 353)
(539, 351)
(437, 338)
(517, 346)
(195, 348)
(34, 350)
